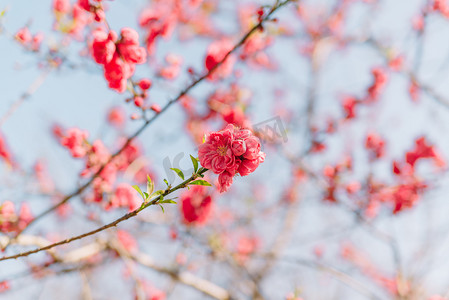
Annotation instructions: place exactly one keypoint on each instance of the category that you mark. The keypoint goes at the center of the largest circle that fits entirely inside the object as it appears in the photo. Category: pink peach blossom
(238, 147)
(252, 148)
(216, 153)
(224, 181)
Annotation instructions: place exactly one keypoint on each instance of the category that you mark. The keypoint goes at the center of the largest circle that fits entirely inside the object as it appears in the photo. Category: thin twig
(29, 92)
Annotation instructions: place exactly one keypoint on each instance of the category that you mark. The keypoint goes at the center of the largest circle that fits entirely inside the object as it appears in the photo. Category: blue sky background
(80, 98)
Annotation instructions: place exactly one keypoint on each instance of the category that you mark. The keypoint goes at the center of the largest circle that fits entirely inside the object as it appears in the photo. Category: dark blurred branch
(204, 286)
(29, 92)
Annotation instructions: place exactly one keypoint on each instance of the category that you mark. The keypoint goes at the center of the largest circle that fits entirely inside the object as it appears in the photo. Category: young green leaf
(162, 209)
(150, 185)
(166, 182)
(179, 172)
(157, 193)
(200, 182)
(137, 188)
(195, 163)
(168, 201)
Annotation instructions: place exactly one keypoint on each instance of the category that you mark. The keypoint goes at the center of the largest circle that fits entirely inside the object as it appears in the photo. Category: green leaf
(200, 182)
(168, 201)
(179, 172)
(137, 188)
(2, 13)
(163, 211)
(150, 185)
(146, 195)
(195, 163)
(166, 182)
(157, 193)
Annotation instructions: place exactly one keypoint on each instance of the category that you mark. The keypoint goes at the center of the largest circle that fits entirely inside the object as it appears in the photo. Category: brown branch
(112, 224)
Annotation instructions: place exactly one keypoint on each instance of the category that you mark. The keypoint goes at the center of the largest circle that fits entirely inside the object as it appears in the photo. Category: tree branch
(112, 224)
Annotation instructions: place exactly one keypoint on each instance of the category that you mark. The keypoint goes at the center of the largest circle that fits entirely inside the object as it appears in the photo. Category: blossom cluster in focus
(229, 152)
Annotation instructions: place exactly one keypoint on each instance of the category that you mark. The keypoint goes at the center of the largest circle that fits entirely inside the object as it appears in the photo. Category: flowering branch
(184, 92)
(134, 213)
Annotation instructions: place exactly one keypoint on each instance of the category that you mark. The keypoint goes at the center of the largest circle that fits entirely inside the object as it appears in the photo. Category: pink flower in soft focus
(216, 154)
(118, 56)
(84, 4)
(45, 182)
(138, 101)
(129, 47)
(145, 84)
(127, 240)
(215, 53)
(349, 105)
(196, 205)
(245, 247)
(61, 6)
(74, 140)
(7, 214)
(418, 22)
(4, 286)
(225, 180)
(117, 73)
(156, 108)
(129, 36)
(98, 156)
(64, 210)
(116, 116)
(25, 216)
(23, 35)
(172, 70)
(4, 152)
(423, 150)
(152, 292)
(375, 144)
(125, 196)
(235, 116)
(36, 41)
(103, 46)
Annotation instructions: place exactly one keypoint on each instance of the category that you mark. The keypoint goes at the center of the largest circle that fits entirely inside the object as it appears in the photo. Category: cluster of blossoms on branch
(72, 18)
(117, 55)
(31, 42)
(399, 196)
(10, 221)
(229, 152)
(96, 154)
